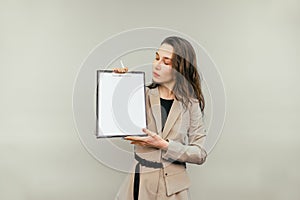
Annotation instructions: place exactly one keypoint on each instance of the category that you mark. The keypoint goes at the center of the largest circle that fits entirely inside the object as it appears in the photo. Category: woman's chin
(157, 80)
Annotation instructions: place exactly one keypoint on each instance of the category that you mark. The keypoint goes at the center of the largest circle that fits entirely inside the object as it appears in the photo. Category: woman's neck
(165, 92)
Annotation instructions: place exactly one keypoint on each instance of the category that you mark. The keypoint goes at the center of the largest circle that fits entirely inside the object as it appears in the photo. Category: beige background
(254, 44)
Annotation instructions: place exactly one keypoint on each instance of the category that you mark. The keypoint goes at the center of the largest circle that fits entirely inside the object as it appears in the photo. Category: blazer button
(166, 174)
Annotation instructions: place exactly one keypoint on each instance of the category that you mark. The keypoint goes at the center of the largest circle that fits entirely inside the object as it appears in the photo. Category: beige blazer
(185, 132)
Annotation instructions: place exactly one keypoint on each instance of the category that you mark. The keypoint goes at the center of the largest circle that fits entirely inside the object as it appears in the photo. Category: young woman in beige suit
(176, 133)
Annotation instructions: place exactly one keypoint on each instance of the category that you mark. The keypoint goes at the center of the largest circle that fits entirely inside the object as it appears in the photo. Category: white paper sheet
(121, 108)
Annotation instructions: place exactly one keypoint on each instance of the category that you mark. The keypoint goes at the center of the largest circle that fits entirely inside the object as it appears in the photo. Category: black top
(166, 105)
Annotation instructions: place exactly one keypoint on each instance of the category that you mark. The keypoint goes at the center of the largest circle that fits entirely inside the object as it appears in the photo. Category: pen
(122, 63)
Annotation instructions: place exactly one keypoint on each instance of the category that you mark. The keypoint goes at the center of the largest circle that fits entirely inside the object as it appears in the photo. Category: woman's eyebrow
(163, 57)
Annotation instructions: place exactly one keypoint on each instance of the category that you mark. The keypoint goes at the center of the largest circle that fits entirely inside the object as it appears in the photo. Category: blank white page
(121, 106)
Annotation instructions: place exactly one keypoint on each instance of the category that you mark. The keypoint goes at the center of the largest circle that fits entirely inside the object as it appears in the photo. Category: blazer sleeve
(194, 152)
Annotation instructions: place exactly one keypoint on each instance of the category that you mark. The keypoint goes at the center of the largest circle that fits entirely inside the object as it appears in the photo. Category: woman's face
(162, 65)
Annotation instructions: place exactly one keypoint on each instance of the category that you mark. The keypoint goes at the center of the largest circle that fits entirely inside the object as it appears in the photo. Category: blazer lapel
(172, 117)
(156, 110)
(155, 107)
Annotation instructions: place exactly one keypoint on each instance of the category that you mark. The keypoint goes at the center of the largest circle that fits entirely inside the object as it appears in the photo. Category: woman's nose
(158, 65)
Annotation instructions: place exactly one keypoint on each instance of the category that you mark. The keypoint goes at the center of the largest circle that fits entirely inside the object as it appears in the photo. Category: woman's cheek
(169, 71)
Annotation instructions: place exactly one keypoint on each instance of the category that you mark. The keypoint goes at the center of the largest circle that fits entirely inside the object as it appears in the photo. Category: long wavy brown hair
(187, 81)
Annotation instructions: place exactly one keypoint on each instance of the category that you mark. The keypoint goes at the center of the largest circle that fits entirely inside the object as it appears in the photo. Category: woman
(176, 133)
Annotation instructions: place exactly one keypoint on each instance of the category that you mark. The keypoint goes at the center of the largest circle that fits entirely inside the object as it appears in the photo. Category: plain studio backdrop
(255, 45)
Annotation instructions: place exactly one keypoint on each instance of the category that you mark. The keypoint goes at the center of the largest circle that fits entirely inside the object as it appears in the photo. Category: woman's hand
(120, 70)
(152, 140)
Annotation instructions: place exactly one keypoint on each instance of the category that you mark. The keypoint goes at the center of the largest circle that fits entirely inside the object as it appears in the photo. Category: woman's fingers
(138, 143)
(138, 138)
(120, 70)
(150, 133)
(135, 138)
(151, 140)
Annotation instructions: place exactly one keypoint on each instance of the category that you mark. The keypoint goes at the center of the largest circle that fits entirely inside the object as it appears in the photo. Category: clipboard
(120, 104)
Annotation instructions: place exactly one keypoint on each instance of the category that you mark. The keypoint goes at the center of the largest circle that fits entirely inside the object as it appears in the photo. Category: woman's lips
(155, 74)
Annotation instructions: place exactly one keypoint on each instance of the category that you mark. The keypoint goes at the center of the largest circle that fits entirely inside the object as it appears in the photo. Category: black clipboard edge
(97, 106)
(117, 136)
